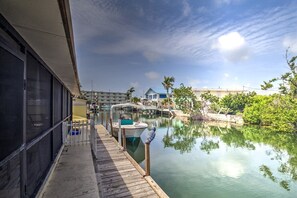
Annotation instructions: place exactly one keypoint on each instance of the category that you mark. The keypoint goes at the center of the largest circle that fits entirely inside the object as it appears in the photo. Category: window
(38, 162)
(11, 102)
(38, 98)
(57, 101)
(10, 178)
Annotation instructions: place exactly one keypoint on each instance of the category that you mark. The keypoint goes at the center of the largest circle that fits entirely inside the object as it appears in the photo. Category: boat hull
(134, 130)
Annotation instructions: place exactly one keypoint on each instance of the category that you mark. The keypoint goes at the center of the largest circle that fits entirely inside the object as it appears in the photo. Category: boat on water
(132, 129)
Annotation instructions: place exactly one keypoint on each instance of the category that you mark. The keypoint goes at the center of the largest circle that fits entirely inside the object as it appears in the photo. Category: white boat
(132, 129)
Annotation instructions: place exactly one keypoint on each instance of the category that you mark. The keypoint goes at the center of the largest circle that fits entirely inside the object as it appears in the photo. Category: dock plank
(116, 174)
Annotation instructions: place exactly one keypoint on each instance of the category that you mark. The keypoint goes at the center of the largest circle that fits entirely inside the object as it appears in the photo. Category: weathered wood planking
(116, 174)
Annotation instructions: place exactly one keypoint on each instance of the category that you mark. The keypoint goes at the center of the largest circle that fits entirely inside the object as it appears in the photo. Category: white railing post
(120, 133)
(70, 135)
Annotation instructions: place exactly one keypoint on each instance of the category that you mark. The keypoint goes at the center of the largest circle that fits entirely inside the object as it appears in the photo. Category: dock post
(120, 133)
(111, 129)
(151, 136)
(106, 122)
(147, 159)
(102, 118)
(124, 140)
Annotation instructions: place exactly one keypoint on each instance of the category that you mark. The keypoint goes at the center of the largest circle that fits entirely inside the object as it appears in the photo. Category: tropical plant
(235, 103)
(186, 100)
(129, 93)
(209, 102)
(278, 112)
(135, 100)
(288, 81)
(168, 84)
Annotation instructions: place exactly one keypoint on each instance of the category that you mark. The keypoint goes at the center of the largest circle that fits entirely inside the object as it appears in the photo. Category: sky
(229, 44)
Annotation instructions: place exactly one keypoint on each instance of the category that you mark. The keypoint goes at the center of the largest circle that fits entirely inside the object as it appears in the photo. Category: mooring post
(106, 122)
(150, 137)
(124, 139)
(111, 129)
(102, 118)
(147, 159)
(120, 133)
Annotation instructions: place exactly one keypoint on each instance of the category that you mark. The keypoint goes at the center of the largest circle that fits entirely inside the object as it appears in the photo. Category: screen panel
(38, 98)
(11, 102)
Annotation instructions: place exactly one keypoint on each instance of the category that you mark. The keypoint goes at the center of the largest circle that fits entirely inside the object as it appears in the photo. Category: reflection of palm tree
(183, 137)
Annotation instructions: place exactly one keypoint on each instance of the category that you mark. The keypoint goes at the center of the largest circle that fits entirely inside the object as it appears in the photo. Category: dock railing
(80, 132)
(144, 172)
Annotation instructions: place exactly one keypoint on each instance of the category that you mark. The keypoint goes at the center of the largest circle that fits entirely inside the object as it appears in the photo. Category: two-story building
(154, 97)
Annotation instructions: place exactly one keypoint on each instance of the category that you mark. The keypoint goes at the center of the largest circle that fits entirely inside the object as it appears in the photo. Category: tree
(235, 103)
(288, 81)
(209, 100)
(129, 93)
(168, 84)
(135, 100)
(278, 112)
(186, 100)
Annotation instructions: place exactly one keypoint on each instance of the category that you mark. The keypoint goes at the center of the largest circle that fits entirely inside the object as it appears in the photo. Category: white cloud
(235, 78)
(291, 43)
(226, 75)
(186, 8)
(152, 75)
(98, 20)
(233, 47)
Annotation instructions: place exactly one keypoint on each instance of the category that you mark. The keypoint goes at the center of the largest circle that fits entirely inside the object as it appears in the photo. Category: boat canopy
(126, 105)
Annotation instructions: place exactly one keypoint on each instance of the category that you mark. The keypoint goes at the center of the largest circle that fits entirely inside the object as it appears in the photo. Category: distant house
(220, 93)
(154, 96)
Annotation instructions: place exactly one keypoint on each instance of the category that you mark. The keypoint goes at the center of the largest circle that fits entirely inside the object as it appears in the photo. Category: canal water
(195, 159)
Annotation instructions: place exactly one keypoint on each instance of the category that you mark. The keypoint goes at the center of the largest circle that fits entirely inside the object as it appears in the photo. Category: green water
(215, 160)
(212, 160)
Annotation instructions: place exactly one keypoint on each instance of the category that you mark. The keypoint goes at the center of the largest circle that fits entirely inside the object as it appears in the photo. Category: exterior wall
(153, 96)
(225, 118)
(216, 92)
(79, 108)
(34, 104)
(105, 98)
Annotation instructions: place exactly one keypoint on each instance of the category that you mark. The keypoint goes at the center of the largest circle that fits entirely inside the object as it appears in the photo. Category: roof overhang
(46, 26)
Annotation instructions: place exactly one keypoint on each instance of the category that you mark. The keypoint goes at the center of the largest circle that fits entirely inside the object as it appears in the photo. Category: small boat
(132, 129)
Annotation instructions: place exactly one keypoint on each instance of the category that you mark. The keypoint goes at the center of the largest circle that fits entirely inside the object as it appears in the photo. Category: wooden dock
(118, 175)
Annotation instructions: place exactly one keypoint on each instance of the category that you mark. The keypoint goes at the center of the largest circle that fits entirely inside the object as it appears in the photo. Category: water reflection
(217, 152)
(183, 137)
(135, 148)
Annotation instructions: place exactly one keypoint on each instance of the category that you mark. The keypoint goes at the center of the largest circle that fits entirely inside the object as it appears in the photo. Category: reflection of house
(38, 79)
(216, 92)
(153, 96)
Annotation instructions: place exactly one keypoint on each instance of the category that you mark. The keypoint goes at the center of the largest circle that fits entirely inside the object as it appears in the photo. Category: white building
(220, 93)
(102, 98)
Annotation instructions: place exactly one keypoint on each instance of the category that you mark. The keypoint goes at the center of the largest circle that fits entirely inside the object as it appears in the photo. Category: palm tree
(129, 92)
(168, 84)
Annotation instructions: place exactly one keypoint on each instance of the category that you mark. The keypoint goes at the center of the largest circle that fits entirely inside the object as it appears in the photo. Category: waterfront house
(154, 97)
(39, 77)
